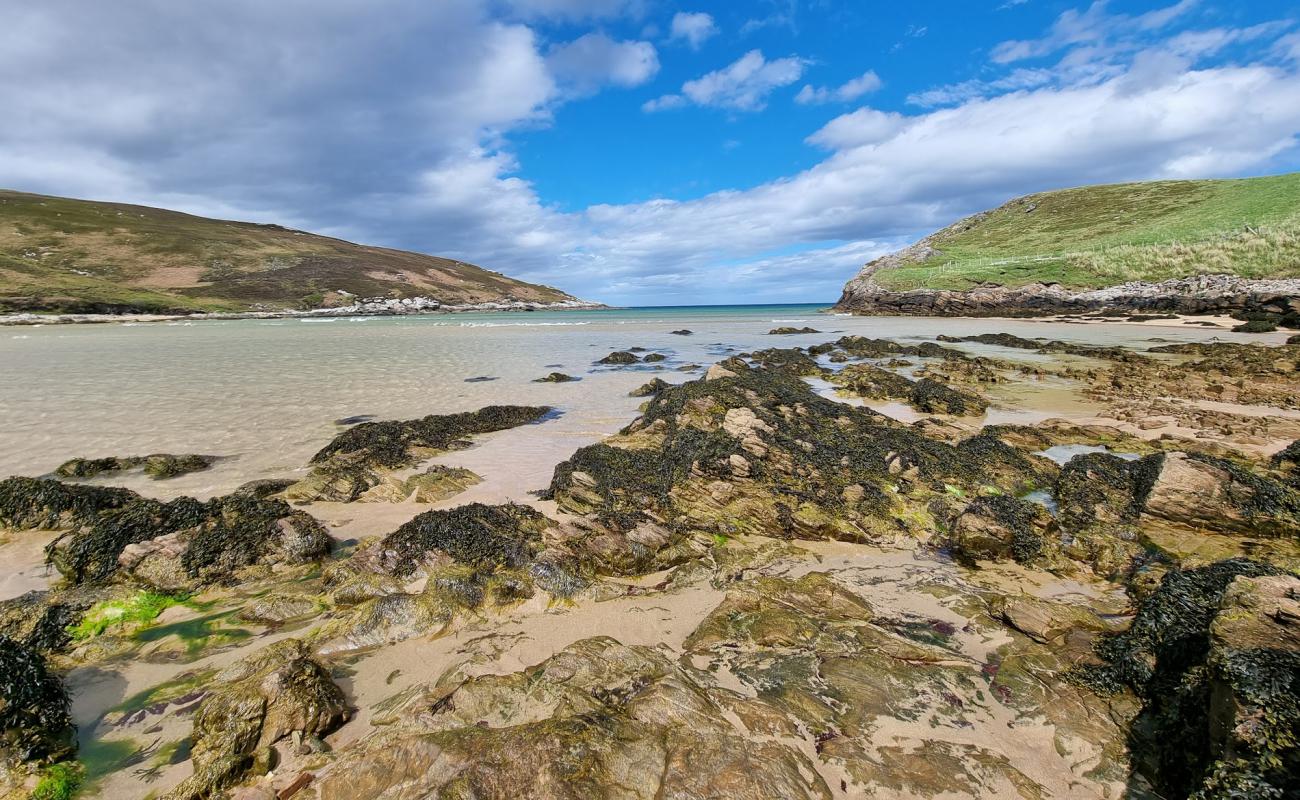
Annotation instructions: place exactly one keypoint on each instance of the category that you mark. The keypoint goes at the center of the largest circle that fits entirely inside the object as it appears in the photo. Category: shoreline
(1208, 321)
(25, 319)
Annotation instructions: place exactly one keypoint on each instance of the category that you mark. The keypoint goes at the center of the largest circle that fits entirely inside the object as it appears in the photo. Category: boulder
(620, 357)
(1214, 655)
(252, 705)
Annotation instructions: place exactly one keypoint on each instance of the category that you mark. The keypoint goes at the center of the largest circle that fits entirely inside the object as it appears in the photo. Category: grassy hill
(58, 254)
(1098, 236)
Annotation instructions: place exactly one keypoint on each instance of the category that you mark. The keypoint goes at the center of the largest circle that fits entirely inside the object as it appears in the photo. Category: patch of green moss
(141, 609)
(59, 781)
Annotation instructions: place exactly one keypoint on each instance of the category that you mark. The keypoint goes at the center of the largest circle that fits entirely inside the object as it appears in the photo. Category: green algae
(141, 609)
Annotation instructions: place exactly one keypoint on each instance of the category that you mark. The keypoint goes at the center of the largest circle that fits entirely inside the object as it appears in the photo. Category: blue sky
(638, 151)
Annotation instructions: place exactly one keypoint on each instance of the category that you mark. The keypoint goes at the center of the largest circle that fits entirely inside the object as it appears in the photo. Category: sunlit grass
(1103, 235)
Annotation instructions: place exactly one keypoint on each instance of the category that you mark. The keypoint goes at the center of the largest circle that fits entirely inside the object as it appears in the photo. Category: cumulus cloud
(594, 60)
(692, 28)
(862, 127)
(743, 85)
(847, 92)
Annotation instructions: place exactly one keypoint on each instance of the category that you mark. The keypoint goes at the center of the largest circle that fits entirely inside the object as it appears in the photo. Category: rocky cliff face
(1200, 294)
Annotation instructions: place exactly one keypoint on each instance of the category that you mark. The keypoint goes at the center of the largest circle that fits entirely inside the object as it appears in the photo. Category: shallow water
(265, 393)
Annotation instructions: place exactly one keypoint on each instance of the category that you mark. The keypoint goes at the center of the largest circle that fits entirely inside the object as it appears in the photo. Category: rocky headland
(1225, 247)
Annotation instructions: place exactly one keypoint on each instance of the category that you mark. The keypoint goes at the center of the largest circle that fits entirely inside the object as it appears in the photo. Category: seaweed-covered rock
(932, 397)
(158, 466)
(1250, 374)
(597, 720)
(998, 527)
(35, 720)
(277, 691)
(620, 357)
(264, 487)
(757, 451)
(787, 330)
(478, 535)
(1293, 339)
(791, 360)
(1255, 326)
(1214, 655)
(556, 377)
(863, 347)
(234, 532)
(359, 458)
(873, 382)
(40, 620)
(682, 332)
(654, 358)
(650, 388)
(178, 544)
(40, 504)
(999, 339)
(1201, 491)
(1100, 498)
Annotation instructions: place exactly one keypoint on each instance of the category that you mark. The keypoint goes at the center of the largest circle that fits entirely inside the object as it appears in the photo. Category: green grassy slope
(59, 254)
(1098, 236)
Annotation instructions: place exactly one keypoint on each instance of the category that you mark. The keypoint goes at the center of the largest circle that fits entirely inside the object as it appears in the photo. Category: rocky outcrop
(472, 557)
(755, 450)
(361, 457)
(250, 707)
(1214, 654)
(620, 358)
(598, 720)
(789, 688)
(158, 466)
(172, 546)
(1201, 294)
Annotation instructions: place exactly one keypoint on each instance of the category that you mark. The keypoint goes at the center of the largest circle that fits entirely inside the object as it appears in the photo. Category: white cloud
(1093, 26)
(593, 60)
(868, 81)
(741, 86)
(969, 90)
(862, 127)
(692, 28)
(663, 103)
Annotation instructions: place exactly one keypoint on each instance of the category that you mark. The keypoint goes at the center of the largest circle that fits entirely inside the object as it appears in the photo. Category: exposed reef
(364, 456)
(158, 466)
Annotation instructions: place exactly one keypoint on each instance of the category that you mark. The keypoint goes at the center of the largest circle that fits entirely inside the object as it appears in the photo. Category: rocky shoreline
(368, 308)
(755, 589)
(1197, 295)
